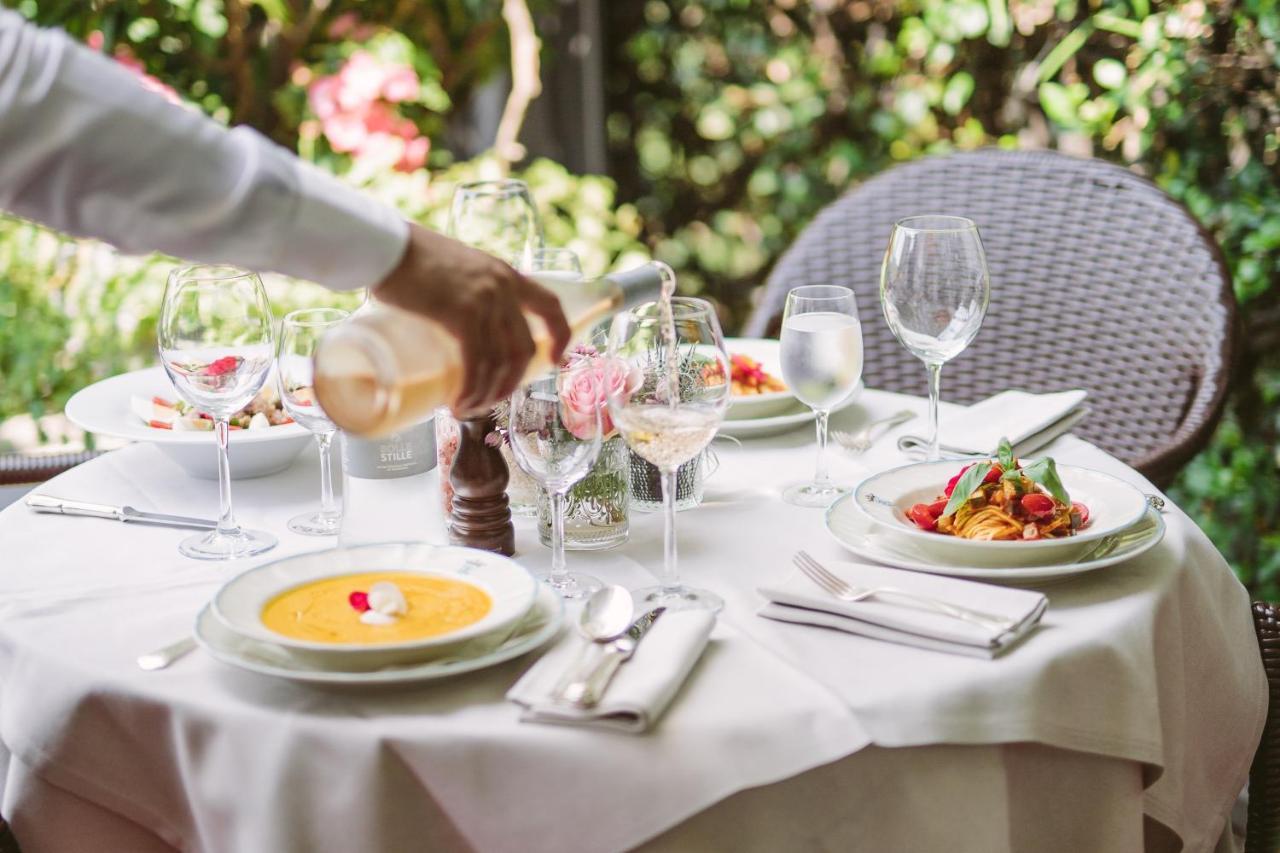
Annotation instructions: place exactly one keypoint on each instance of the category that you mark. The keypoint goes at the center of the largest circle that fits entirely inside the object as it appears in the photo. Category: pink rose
(586, 390)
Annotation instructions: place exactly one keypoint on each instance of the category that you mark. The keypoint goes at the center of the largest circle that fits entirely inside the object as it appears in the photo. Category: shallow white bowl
(884, 499)
(769, 353)
(103, 409)
(238, 605)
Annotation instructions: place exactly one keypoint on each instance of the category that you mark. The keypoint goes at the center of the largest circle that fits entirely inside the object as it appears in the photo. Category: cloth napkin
(798, 599)
(641, 689)
(1029, 421)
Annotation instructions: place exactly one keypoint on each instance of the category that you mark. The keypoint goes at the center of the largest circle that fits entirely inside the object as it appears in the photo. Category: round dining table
(1126, 721)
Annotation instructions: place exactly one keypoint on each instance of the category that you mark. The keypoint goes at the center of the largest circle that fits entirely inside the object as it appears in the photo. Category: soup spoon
(606, 615)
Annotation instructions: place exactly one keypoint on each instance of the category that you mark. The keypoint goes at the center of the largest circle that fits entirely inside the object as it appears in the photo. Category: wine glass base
(571, 585)
(316, 524)
(678, 598)
(220, 546)
(813, 495)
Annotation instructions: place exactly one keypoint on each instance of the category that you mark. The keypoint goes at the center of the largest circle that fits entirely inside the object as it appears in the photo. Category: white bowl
(749, 406)
(885, 498)
(103, 409)
(238, 605)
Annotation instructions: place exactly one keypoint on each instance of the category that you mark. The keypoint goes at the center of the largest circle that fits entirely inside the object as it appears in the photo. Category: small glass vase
(646, 482)
(596, 511)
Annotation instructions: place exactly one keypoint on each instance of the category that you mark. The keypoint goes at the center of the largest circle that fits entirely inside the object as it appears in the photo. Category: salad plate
(541, 623)
(328, 628)
(796, 415)
(856, 533)
(887, 498)
(107, 408)
(758, 390)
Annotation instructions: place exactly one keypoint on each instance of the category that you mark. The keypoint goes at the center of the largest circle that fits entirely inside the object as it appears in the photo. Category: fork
(839, 588)
(860, 441)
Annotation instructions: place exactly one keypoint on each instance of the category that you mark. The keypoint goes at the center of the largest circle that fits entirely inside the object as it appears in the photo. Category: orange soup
(321, 611)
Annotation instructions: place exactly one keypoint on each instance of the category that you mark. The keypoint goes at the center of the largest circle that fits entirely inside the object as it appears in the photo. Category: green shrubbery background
(731, 122)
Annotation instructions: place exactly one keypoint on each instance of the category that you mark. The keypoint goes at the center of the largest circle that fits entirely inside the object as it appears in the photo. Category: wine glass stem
(935, 391)
(558, 570)
(327, 505)
(226, 518)
(670, 580)
(820, 476)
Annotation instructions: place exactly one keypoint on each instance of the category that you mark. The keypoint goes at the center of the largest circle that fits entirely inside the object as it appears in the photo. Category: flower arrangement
(585, 386)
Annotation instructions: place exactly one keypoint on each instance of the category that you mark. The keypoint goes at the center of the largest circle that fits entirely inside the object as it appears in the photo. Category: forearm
(88, 151)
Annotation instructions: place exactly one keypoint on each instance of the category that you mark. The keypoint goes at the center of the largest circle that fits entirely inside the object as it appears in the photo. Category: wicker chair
(1098, 280)
(1263, 828)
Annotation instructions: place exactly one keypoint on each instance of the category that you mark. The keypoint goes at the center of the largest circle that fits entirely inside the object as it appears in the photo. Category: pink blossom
(323, 96)
(586, 389)
(578, 353)
(415, 154)
(401, 84)
(95, 40)
(361, 80)
(382, 149)
(346, 132)
(343, 25)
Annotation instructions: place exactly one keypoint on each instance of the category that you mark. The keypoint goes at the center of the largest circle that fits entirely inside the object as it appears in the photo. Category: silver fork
(861, 441)
(844, 591)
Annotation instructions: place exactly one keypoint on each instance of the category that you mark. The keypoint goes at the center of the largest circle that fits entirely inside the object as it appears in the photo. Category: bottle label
(402, 454)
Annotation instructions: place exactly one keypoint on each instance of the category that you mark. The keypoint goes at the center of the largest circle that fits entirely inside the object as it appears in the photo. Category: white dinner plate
(884, 499)
(539, 625)
(767, 351)
(103, 409)
(797, 415)
(852, 529)
(239, 603)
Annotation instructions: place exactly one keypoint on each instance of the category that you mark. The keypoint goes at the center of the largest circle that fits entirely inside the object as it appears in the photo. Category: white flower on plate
(386, 603)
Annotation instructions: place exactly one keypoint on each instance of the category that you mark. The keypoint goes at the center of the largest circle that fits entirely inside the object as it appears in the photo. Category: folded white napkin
(642, 687)
(1029, 421)
(798, 599)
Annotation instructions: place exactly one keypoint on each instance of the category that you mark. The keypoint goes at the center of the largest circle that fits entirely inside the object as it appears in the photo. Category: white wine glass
(555, 439)
(678, 401)
(216, 341)
(821, 364)
(934, 289)
(498, 217)
(300, 331)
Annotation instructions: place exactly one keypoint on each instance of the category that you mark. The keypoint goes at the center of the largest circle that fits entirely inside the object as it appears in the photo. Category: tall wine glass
(934, 288)
(821, 364)
(300, 331)
(555, 439)
(672, 412)
(549, 266)
(498, 217)
(215, 336)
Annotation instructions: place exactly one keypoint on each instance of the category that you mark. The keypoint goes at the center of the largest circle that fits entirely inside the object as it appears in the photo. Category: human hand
(478, 299)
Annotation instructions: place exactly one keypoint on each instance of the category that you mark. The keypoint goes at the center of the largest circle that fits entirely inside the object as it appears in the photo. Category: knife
(62, 506)
(586, 693)
(1028, 445)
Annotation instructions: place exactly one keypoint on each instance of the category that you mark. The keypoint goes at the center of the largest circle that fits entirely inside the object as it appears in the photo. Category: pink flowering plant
(584, 388)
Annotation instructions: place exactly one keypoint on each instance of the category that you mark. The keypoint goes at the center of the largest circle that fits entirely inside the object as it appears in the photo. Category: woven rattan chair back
(1098, 281)
(1262, 832)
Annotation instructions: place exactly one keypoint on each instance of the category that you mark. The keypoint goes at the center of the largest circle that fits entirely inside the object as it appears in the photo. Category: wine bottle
(386, 367)
(387, 493)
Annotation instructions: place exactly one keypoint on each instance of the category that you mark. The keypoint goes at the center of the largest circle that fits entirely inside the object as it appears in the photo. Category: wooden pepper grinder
(481, 513)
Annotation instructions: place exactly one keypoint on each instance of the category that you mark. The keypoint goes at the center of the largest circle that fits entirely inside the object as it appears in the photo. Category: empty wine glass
(934, 288)
(215, 337)
(550, 266)
(670, 412)
(498, 217)
(300, 331)
(821, 364)
(555, 439)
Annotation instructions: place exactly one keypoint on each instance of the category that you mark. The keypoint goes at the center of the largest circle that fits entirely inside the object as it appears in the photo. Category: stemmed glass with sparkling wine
(677, 349)
(555, 440)
(216, 342)
(821, 364)
(934, 288)
(498, 217)
(300, 331)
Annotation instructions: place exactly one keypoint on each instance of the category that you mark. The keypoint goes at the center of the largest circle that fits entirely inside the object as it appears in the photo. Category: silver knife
(1029, 445)
(586, 693)
(62, 506)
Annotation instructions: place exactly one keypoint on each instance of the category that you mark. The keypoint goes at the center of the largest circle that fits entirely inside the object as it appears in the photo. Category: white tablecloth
(1142, 697)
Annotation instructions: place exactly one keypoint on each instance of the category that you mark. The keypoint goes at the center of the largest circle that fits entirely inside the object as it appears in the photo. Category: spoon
(162, 657)
(606, 614)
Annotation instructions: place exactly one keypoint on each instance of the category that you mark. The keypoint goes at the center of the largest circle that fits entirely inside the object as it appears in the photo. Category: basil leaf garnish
(1045, 472)
(1004, 454)
(966, 486)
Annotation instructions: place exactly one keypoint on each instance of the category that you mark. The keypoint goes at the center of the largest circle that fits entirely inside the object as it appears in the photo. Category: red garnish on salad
(218, 367)
(359, 601)
(159, 425)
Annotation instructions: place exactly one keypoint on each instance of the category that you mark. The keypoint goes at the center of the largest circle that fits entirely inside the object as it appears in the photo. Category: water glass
(934, 289)
(821, 364)
(300, 331)
(498, 217)
(215, 336)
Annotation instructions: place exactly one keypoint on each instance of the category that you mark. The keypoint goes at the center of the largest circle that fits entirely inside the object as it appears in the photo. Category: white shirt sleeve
(86, 149)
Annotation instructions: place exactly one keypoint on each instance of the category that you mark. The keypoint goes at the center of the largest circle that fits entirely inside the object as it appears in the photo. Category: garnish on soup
(750, 378)
(1002, 499)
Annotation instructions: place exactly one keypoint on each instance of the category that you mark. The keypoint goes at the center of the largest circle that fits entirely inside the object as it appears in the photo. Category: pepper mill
(481, 514)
